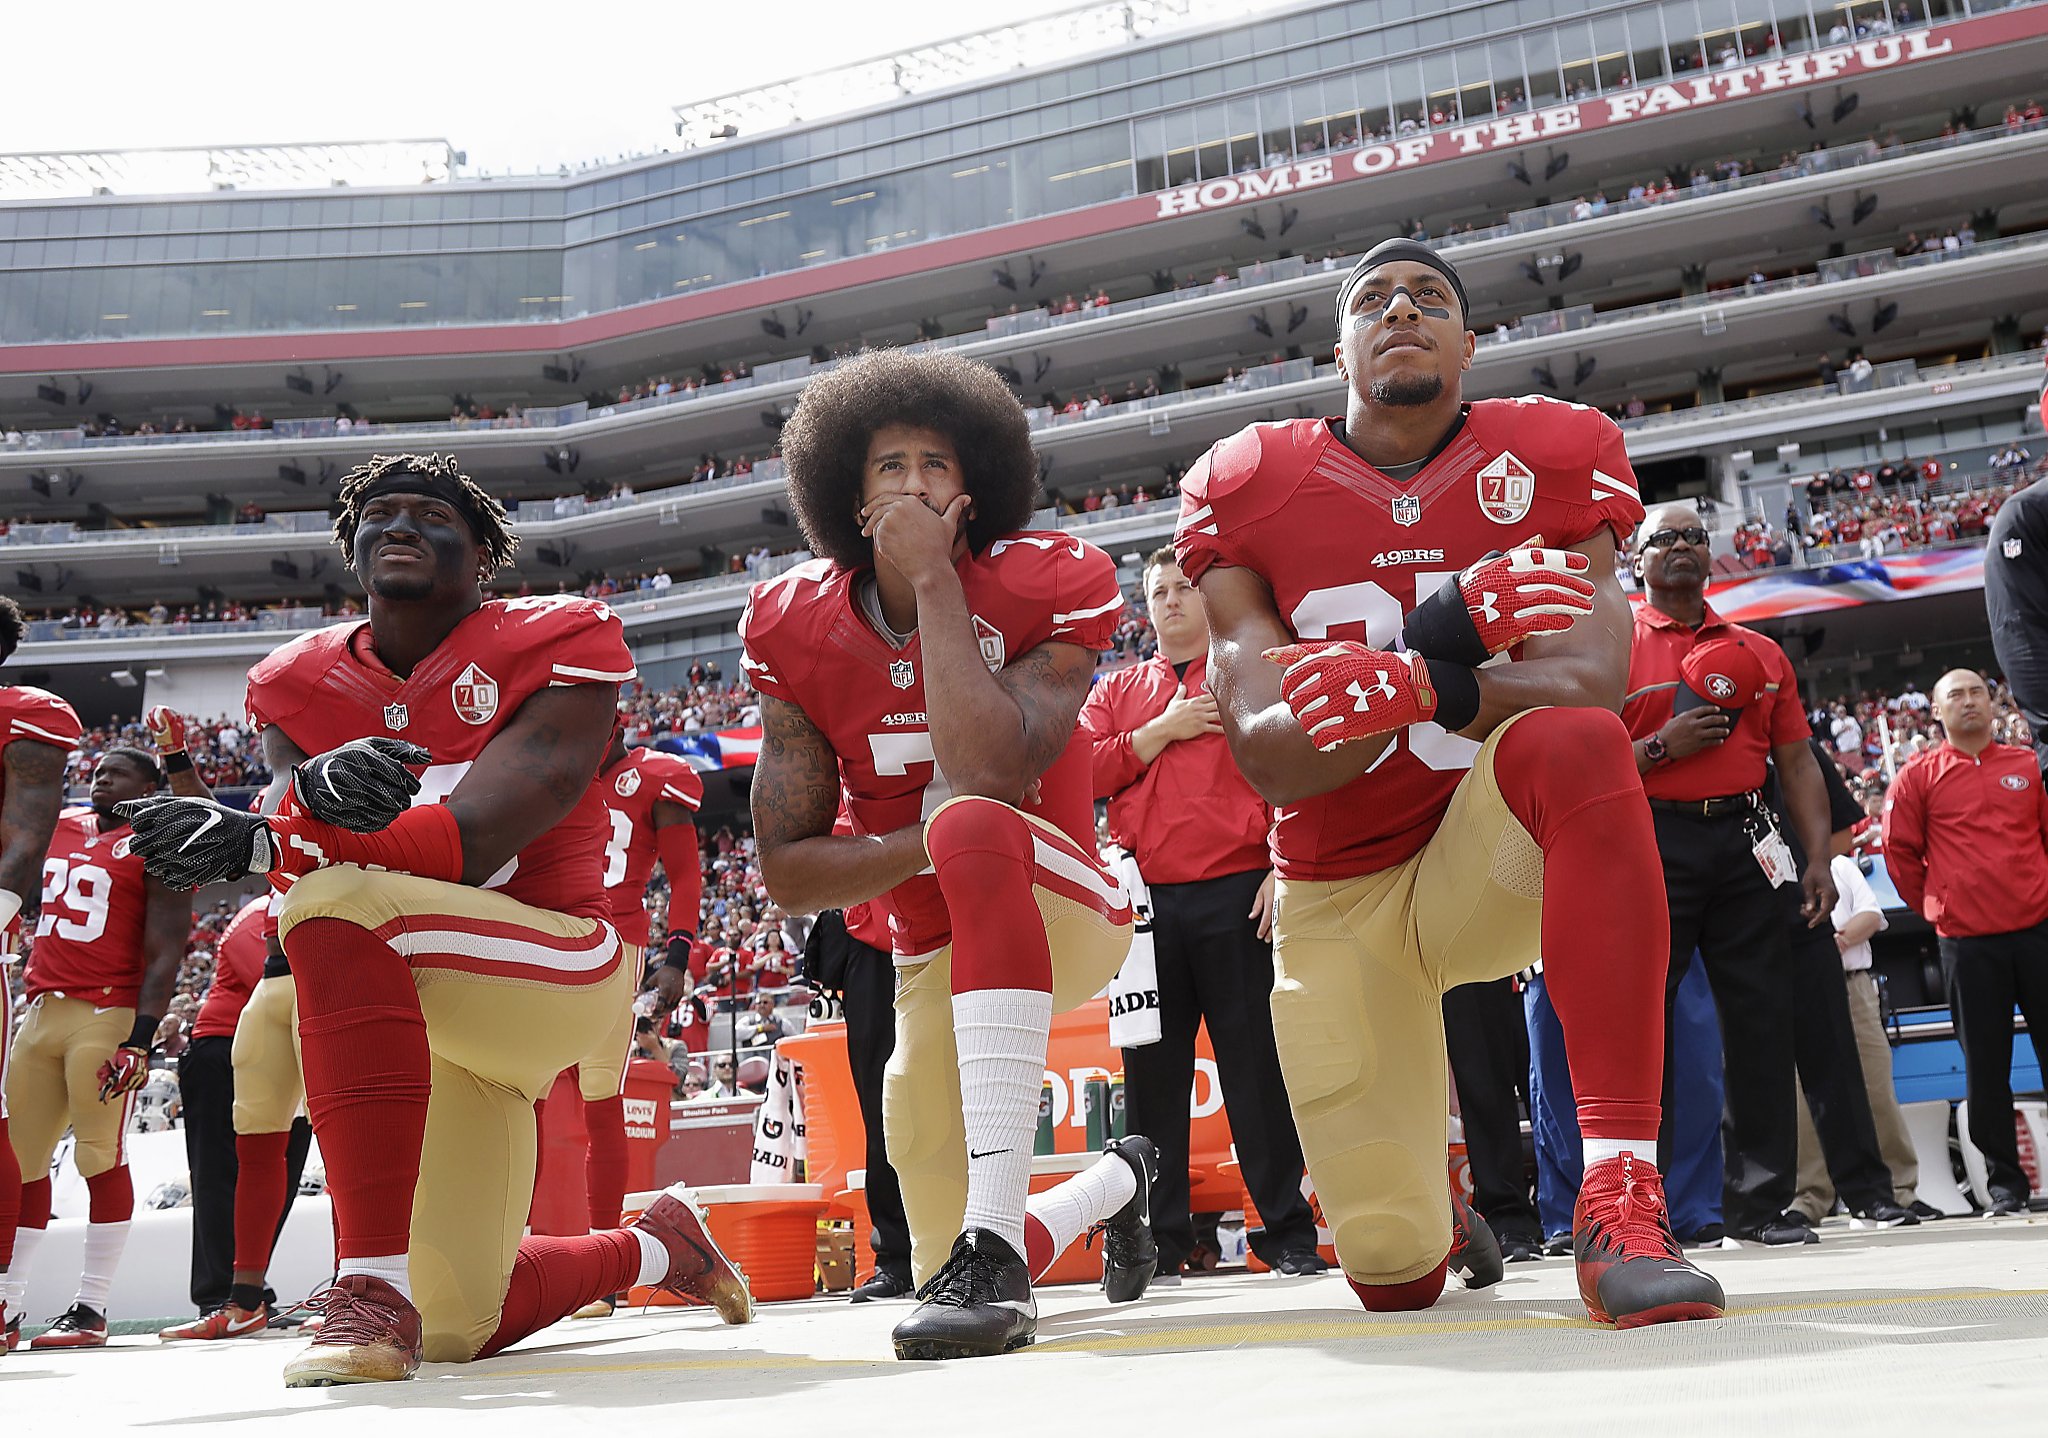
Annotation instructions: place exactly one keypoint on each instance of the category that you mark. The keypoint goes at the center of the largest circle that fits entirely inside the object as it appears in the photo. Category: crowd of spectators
(1873, 510)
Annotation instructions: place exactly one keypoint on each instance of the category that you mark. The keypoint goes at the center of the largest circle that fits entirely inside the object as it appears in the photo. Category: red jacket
(1966, 840)
(1189, 814)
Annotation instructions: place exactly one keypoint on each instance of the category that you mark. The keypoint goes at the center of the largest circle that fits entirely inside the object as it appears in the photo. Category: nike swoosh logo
(212, 818)
(988, 1153)
(255, 1320)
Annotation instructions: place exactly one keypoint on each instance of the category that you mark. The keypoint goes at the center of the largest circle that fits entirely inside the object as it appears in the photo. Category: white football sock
(14, 1282)
(1002, 1036)
(654, 1259)
(1072, 1208)
(1599, 1150)
(391, 1267)
(103, 1245)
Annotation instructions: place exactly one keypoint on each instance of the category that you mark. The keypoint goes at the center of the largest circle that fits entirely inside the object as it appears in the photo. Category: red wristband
(423, 841)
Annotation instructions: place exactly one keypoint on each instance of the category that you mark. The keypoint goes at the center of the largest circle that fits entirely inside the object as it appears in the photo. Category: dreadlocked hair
(825, 444)
(485, 514)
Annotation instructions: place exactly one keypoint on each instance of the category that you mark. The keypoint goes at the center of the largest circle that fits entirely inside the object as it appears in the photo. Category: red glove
(125, 1072)
(1499, 602)
(166, 729)
(1342, 691)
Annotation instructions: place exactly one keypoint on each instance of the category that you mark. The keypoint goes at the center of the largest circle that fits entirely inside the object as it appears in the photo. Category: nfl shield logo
(474, 695)
(1408, 509)
(901, 674)
(2011, 547)
(395, 716)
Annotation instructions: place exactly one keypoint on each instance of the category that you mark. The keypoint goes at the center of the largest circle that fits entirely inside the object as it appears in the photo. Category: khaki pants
(1874, 1051)
(601, 1073)
(921, 1106)
(53, 1083)
(270, 1087)
(1362, 966)
(512, 995)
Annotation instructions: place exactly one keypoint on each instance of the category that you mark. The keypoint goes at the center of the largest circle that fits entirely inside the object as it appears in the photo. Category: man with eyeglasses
(724, 1084)
(1708, 703)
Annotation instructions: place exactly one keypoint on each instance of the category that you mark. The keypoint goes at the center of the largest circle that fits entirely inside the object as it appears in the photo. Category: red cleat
(226, 1321)
(696, 1268)
(78, 1326)
(369, 1333)
(1632, 1271)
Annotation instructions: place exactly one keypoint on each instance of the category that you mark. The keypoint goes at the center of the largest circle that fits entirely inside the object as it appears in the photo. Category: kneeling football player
(931, 664)
(446, 926)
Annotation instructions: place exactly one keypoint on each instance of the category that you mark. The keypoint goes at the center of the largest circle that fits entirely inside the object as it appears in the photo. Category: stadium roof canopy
(1044, 39)
(58, 174)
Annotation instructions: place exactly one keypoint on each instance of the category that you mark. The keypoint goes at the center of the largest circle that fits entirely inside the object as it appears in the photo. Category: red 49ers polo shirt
(1736, 765)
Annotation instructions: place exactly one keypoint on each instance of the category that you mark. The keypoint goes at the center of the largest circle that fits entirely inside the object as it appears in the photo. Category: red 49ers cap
(1725, 673)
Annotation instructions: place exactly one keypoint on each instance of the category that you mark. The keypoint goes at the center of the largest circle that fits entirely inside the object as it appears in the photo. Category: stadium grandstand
(1796, 249)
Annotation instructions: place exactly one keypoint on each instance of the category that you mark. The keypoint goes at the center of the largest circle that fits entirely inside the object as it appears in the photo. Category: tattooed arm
(35, 792)
(531, 774)
(796, 797)
(993, 734)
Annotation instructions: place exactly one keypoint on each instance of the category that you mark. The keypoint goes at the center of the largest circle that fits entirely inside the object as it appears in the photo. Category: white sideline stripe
(1060, 862)
(577, 672)
(67, 740)
(681, 798)
(1194, 515)
(1071, 615)
(1600, 477)
(503, 950)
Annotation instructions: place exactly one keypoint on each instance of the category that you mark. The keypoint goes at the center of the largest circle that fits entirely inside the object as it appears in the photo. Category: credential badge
(901, 674)
(1407, 509)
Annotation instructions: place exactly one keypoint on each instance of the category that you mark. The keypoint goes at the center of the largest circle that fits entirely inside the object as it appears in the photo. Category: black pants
(870, 1000)
(1213, 965)
(1722, 905)
(1824, 1047)
(1487, 1038)
(1986, 976)
(206, 1093)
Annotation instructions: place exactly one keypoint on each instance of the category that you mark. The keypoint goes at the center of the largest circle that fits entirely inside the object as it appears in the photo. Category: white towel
(1134, 993)
(779, 1148)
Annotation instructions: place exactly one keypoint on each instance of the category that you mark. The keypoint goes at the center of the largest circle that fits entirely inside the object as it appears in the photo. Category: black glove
(361, 786)
(189, 842)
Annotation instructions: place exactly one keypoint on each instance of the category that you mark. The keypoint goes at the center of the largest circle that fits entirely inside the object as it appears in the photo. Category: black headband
(1386, 252)
(433, 486)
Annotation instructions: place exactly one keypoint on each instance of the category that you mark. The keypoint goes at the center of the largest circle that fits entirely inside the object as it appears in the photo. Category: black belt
(1711, 808)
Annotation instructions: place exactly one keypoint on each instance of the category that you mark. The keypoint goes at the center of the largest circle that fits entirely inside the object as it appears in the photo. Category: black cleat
(1129, 1255)
(1519, 1245)
(887, 1283)
(978, 1304)
(1300, 1263)
(2005, 1204)
(1475, 1253)
(1884, 1215)
(1783, 1231)
(1925, 1211)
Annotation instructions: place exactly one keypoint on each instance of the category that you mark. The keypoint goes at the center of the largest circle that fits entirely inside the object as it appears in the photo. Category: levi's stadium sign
(1767, 77)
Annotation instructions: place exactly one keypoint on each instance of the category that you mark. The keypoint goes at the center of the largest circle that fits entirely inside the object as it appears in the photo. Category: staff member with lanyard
(1198, 831)
(1708, 702)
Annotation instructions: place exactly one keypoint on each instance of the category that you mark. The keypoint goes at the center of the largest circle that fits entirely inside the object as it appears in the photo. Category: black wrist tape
(143, 1035)
(1457, 693)
(178, 763)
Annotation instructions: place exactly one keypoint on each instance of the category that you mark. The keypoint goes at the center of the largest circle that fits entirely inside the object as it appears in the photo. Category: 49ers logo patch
(474, 695)
(1507, 487)
(1720, 688)
(627, 784)
(2011, 781)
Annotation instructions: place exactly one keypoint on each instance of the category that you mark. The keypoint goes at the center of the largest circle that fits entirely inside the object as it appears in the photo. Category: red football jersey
(1348, 552)
(807, 642)
(326, 688)
(89, 937)
(237, 969)
(630, 790)
(38, 715)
